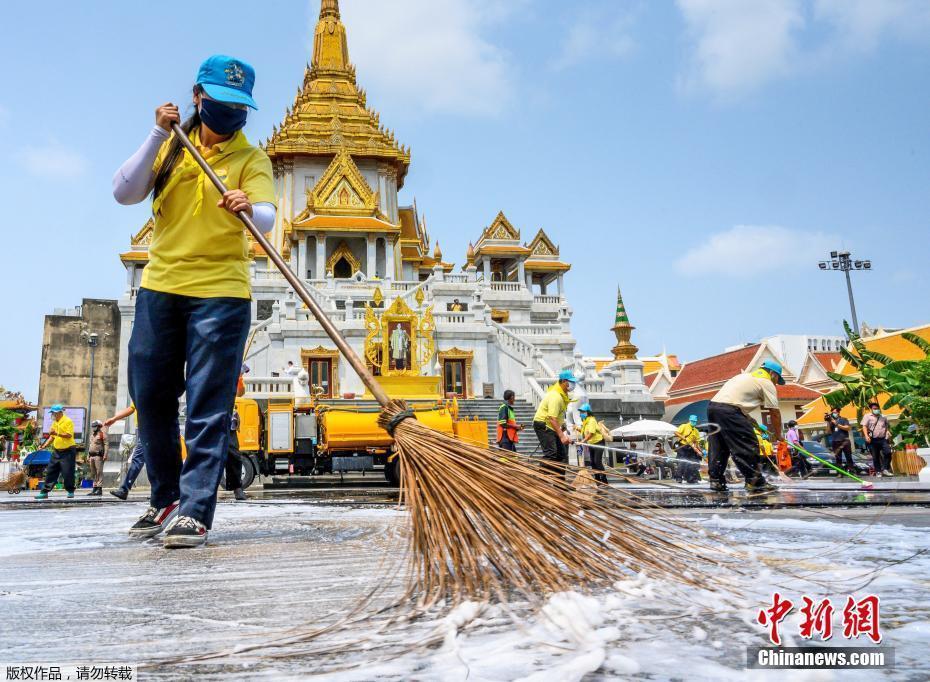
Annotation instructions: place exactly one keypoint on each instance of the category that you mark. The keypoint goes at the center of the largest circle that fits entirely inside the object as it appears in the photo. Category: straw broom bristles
(14, 481)
(485, 524)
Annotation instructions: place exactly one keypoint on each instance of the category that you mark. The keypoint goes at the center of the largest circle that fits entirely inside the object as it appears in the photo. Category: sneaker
(70, 494)
(240, 494)
(718, 486)
(43, 495)
(887, 473)
(185, 531)
(761, 487)
(121, 493)
(98, 492)
(152, 522)
(92, 493)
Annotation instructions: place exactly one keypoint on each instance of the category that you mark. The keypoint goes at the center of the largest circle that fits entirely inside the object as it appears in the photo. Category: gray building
(64, 375)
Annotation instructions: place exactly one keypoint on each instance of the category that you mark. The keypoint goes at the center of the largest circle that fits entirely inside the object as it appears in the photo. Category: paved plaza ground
(77, 589)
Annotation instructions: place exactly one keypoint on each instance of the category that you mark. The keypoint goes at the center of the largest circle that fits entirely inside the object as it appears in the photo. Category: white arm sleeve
(135, 178)
(263, 216)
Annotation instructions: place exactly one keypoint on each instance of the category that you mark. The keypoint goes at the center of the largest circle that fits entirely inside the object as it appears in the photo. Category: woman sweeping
(193, 309)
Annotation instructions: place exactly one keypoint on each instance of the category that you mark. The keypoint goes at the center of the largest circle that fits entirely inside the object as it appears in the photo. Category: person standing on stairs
(507, 426)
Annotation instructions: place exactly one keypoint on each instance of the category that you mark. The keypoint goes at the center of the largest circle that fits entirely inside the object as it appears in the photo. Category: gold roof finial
(622, 329)
(470, 254)
(330, 47)
(437, 254)
(329, 8)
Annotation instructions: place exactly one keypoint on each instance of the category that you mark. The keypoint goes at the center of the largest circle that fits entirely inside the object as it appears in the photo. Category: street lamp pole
(92, 339)
(841, 260)
(852, 302)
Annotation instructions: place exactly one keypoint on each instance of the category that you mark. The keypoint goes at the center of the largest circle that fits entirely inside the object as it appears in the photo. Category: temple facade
(426, 326)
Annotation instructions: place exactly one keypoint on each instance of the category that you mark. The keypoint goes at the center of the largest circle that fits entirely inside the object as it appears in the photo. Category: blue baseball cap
(227, 79)
(585, 408)
(56, 408)
(693, 419)
(773, 366)
(567, 375)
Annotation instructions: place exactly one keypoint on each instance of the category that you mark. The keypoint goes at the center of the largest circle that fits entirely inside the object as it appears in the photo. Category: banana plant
(868, 381)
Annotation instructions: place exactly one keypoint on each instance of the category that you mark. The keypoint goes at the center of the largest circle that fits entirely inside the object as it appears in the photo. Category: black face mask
(221, 118)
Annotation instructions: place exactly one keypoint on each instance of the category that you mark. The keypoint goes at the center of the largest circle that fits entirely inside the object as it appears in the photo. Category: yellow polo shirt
(62, 432)
(688, 434)
(590, 427)
(199, 249)
(553, 404)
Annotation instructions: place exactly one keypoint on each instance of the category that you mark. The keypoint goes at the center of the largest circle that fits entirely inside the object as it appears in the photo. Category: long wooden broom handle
(350, 355)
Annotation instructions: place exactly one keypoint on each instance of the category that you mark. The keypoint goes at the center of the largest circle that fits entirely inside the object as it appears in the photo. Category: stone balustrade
(547, 299)
(507, 286)
(535, 329)
(263, 387)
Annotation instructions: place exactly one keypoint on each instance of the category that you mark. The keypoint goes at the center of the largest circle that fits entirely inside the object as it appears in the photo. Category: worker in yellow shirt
(591, 435)
(64, 452)
(193, 310)
(548, 421)
(765, 447)
(689, 452)
(730, 410)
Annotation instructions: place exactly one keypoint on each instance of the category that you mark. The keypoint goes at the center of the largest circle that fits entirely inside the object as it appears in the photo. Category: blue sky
(702, 154)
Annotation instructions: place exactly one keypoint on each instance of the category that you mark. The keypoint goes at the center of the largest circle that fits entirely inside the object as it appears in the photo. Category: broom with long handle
(485, 529)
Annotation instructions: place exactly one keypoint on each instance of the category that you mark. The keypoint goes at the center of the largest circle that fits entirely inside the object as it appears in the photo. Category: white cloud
(860, 25)
(749, 250)
(52, 160)
(431, 54)
(739, 45)
(597, 34)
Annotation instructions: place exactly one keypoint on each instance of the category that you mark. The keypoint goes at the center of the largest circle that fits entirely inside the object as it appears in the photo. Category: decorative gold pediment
(399, 341)
(343, 251)
(144, 236)
(342, 190)
(543, 246)
(501, 229)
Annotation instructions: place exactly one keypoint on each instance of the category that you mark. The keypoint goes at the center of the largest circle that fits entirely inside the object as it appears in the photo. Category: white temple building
(501, 320)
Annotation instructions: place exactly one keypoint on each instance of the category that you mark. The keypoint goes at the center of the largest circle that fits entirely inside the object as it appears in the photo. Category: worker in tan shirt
(730, 410)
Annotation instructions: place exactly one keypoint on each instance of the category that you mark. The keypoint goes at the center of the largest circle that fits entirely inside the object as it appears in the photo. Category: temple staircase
(486, 410)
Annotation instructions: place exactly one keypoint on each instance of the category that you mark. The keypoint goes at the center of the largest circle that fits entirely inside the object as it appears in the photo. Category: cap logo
(235, 76)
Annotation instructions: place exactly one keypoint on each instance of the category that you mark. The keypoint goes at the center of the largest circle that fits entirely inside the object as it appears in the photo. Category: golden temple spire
(622, 329)
(330, 48)
(330, 114)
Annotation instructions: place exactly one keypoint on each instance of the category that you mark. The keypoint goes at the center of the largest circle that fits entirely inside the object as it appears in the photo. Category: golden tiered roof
(329, 114)
(544, 255)
(500, 238)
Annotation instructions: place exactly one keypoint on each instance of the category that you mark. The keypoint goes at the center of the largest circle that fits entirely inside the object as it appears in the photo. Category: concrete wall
(64, 375)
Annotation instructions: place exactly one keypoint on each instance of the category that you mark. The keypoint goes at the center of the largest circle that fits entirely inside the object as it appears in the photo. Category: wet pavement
(329, 491)
(76, 588)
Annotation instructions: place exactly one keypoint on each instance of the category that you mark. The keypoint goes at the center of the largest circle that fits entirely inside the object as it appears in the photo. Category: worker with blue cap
(731, 410)
(64, 453)
(689, 452)
(193, 309)
(592, 434)
(548, 423)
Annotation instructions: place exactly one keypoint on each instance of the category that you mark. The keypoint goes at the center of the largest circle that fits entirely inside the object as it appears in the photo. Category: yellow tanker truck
(279, 438)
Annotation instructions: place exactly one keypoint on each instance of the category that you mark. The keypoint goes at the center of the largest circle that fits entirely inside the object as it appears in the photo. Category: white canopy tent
(644, 428)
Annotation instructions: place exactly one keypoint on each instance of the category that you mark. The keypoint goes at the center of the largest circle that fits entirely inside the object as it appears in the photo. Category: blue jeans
(136, 462)
(179, 345)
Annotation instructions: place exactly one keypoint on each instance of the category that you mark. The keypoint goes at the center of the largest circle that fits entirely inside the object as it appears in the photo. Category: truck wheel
(392, 473)
(248, 472)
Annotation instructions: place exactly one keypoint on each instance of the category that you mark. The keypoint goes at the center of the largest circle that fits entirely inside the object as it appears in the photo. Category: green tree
(905, 382)
(8, 423)
(866, 384)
